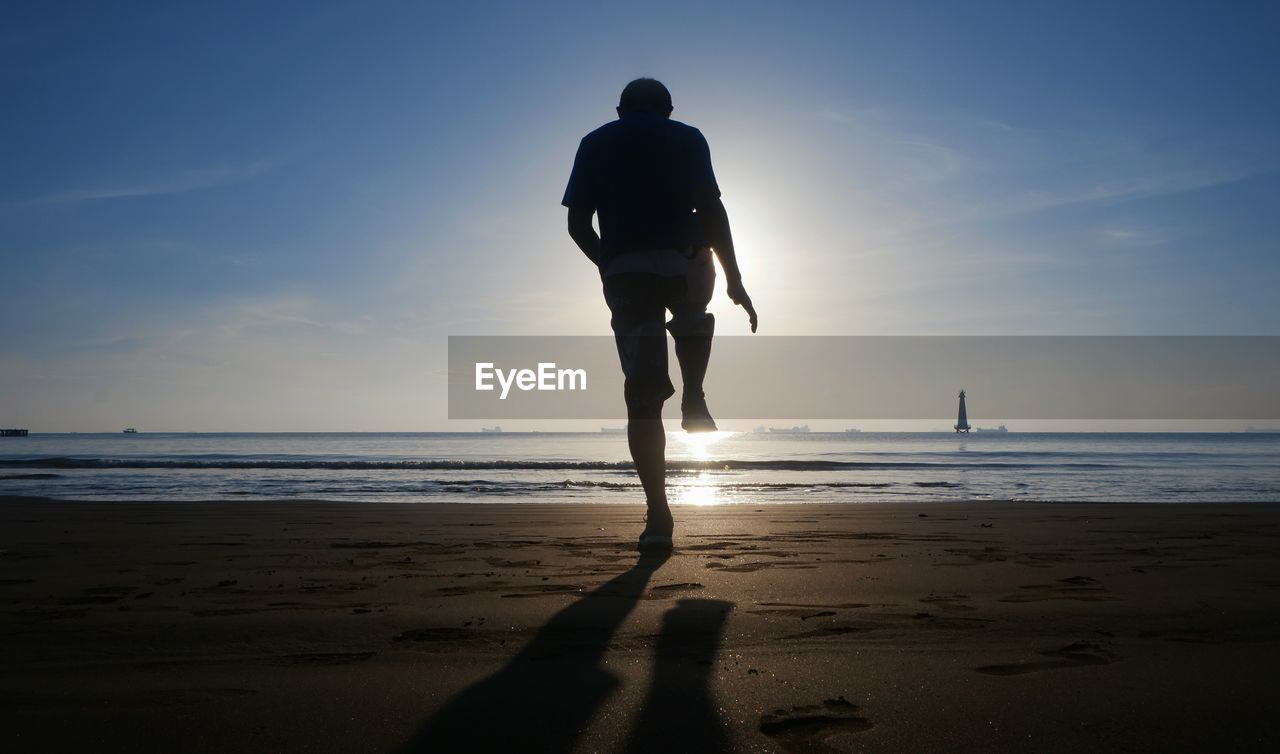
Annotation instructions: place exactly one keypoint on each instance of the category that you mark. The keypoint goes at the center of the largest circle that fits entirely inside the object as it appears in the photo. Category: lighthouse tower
(962, 423)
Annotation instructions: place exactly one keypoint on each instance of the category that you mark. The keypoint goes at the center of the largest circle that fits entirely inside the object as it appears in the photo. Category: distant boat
(130, 431)
(801, 430)
(492, 429)
(613, 430)
(853, 430)
(1001, 428)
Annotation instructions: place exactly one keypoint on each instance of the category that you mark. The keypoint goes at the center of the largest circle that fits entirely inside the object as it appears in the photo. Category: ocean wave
(746, 486)
(673, 465)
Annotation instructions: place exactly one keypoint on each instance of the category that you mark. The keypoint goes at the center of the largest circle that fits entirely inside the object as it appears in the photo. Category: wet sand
(310, 626)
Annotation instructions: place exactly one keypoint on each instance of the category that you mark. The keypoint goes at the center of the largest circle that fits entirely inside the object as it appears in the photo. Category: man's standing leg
(647, 439)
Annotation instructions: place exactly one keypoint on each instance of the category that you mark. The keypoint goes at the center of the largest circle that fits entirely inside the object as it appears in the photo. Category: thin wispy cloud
(180, 183)
(281, 315)
(931, 170)
(1133, 236)
(1136, 187)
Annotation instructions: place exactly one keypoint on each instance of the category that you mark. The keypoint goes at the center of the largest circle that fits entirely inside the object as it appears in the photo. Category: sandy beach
(312, 626)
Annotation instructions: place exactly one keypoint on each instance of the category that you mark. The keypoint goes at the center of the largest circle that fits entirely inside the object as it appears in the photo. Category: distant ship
(492, 429)
(613, 430)
(15, 432)
(853, 430)
(130, 431)
(801, 430)
(1001, 428)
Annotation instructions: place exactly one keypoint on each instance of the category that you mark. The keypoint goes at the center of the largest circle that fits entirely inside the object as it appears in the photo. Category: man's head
(645, 96)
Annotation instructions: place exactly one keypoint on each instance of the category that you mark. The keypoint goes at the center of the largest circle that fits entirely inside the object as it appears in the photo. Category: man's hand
(711, 212)
(739, 296)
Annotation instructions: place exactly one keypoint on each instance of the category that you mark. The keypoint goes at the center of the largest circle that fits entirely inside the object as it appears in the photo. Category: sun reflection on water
(699, 488)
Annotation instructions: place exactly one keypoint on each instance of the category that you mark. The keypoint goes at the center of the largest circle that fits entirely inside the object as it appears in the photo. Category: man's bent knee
(645, 407)
(696, 325)
(645, 396)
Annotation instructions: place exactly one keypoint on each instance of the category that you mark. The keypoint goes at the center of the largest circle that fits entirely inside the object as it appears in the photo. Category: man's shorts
(640, 288)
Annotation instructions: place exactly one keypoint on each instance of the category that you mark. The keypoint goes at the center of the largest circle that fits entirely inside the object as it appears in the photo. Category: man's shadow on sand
(548, 694)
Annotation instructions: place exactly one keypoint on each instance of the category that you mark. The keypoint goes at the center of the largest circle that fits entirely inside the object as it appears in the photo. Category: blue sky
(253, 216)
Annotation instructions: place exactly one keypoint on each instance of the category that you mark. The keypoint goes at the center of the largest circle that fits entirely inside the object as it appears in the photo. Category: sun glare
(699, 445)
(701, 488)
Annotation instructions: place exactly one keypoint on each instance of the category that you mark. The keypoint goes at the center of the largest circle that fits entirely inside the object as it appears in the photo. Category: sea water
(723, 468)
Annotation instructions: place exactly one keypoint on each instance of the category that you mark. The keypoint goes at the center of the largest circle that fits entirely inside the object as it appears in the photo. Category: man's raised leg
(693, 351)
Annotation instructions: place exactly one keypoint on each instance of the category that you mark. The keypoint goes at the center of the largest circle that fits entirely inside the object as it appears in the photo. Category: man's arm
(716, 218)
(584, 234)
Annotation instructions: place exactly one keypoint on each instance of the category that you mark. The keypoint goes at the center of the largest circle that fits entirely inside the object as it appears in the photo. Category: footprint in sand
(740, 567)
(976, 556)
(439, 635)
(668, 591)
(1076, 655)
(326, 658)
(952, 603)
(720, 545)
(100, 595)
(806, 729)
(543, 590)
(1080, 588)
(809, 606)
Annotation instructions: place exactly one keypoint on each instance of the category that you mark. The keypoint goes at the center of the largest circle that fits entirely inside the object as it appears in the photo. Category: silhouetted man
(649, 179)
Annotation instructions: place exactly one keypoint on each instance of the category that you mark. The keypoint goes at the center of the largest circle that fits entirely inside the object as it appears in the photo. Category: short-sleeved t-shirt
(643, 175)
